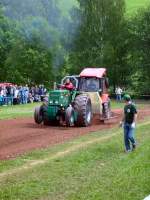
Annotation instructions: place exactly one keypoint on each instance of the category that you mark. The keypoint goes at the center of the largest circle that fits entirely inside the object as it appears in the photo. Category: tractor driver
(68, 85)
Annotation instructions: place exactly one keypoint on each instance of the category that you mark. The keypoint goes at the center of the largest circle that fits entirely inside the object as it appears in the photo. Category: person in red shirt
(68, 85)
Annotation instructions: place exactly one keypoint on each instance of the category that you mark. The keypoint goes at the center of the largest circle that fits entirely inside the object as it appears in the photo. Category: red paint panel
(104, 98)
(93, 72)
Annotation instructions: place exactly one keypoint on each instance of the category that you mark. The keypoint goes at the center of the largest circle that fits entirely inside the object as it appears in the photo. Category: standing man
(26, 94)
(118, 92)
(128, 122)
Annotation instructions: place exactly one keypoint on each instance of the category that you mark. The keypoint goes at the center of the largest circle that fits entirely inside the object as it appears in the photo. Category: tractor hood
(59, 93)
(59, 97)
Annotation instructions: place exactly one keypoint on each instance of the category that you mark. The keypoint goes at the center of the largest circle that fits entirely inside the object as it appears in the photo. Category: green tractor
(76, 107)
(72, 108)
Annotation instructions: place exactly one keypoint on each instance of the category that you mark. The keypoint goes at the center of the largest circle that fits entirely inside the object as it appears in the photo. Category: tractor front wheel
(69, 116)
(38, 116)
(45, 115)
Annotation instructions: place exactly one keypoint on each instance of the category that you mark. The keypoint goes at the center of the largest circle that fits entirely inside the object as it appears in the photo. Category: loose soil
(18, 136)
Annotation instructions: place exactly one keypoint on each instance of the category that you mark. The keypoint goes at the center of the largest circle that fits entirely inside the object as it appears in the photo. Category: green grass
(94, 172)
(10, 112)
(133, 5)
(140, 104)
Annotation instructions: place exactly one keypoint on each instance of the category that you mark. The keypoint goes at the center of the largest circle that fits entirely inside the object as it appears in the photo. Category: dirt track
(19, 136)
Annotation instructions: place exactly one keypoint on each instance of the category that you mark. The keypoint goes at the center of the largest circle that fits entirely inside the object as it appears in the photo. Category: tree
(29, 63)
(102, 38)
(141, 57)
(36, 42)
(6, 35)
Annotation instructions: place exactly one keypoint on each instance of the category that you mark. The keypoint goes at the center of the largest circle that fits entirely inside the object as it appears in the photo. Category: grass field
(92, 167)
(17, 111)
(11, 112)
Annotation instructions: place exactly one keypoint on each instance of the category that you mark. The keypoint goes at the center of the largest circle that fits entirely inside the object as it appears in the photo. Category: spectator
(16, 99)
(4, 94)
(10, 94)
(30, 99)
(36, 94)
(42, 92)
(1, 97)
(13, 94)
(36, 90)
(26, 94)
(22, 95)
(32, 90)
(118, 92)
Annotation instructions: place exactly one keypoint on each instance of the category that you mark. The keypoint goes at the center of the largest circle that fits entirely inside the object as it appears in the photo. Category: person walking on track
(129, 123)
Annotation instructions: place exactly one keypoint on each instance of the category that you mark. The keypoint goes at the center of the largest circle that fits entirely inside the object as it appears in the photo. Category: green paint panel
(59, 98)
(52, 112)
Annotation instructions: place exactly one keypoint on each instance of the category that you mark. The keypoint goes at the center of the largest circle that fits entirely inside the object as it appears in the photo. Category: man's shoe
(133, 147)
(127, 151)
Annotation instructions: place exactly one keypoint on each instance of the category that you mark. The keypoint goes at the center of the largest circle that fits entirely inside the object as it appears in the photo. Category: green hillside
(133, 5)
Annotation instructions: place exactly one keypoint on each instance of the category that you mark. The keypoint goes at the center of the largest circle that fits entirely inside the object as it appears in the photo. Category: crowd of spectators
(14, 94)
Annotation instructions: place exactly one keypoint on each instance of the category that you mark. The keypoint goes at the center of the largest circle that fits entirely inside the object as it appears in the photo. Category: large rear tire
(38, 115)
(83, 108)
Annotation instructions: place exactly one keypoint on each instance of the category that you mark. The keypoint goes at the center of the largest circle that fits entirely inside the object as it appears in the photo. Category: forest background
(44, 40)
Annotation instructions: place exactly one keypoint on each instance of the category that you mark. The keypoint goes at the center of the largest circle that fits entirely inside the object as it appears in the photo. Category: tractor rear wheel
(38, 115)
(83, 108)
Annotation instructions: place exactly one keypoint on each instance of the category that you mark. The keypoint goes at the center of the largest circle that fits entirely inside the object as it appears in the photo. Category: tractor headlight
(56, 102)
(51, 102)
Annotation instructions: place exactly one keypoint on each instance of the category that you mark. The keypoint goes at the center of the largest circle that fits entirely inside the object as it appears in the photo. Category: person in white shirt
(16, 93)
(4, 94)
(118, 92)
